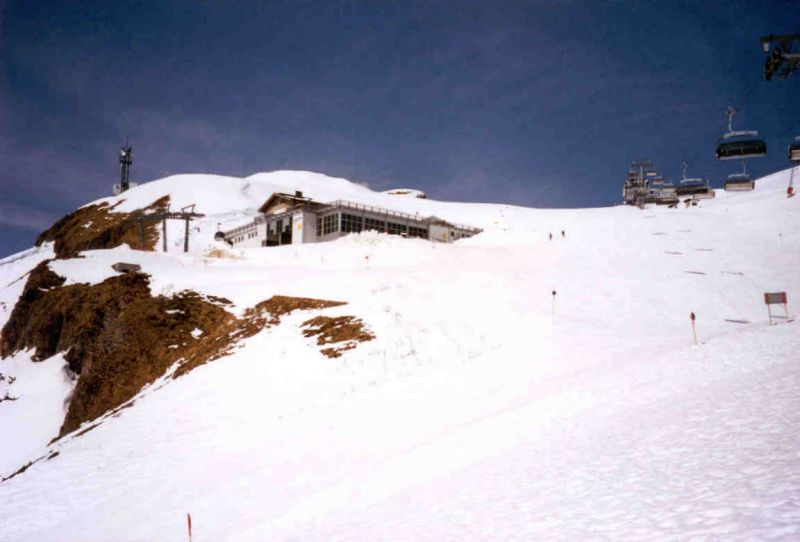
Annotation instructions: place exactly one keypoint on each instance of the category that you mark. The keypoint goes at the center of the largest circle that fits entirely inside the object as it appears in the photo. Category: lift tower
(125, 163)
(782, 57)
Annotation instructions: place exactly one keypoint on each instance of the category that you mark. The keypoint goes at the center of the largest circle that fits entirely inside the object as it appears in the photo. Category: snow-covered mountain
(461, 399)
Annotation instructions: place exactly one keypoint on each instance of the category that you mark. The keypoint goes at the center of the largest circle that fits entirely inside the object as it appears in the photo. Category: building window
(372, 224)
(328, 224)
(395, 229)
(417, 232)
(352, 223)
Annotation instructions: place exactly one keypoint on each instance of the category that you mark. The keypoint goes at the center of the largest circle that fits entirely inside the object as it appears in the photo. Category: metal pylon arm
(730, 113)
(781, 58)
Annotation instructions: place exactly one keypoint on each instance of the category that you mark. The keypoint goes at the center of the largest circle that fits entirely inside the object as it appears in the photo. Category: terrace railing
(397, 214)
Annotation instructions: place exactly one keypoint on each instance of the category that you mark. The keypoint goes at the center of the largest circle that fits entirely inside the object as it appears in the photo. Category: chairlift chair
(794, 156)
(740, 144)
(691, 186)
(740, 182)
(794, 150)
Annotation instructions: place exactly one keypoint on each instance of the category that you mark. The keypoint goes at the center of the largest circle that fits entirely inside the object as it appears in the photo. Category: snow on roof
(409, 192)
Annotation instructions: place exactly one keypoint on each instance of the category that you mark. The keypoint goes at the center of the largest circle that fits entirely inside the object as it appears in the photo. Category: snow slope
(481, 411)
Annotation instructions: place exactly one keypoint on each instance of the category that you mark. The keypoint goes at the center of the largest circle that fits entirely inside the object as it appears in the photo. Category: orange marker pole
(694, 331)
(189, 524)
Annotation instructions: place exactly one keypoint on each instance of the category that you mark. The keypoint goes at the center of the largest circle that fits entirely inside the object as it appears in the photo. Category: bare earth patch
(344, 331)
(97, 226)
(117, 337)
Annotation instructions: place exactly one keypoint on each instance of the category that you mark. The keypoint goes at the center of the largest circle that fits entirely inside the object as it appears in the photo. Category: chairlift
(740, 182)
(794, 150)
(689, 186)
(740, 144)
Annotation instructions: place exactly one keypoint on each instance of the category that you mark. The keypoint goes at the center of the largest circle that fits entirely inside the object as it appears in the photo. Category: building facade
(287, 219)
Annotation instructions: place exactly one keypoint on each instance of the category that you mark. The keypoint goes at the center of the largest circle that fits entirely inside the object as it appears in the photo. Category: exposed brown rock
(224, 338)
(19, 471)
(346, 331)
(115, 335)
(97, 226)
(118, 337)
(277, 306)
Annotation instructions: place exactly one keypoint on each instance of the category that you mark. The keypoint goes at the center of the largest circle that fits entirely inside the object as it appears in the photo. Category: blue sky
(531, 103)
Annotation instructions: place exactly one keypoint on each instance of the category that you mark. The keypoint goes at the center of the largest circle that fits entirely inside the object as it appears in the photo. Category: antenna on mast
(125, 163)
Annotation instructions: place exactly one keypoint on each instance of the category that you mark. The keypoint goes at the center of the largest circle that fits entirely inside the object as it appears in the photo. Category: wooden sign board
(775, 298)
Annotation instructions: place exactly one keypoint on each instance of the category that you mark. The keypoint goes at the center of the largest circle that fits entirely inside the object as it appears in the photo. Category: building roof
(291, 199)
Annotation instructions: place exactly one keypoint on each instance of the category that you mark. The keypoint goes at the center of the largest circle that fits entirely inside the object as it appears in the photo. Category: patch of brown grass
(118, 337)
(225, 337)
(348, 330)
(97, 226)
(279, 305)
(114, 334)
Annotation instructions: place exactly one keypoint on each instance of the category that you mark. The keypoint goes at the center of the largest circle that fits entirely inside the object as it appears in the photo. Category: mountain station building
(287, 219)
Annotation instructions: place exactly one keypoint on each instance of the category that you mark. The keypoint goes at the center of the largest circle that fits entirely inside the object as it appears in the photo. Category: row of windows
(241, 238)
(395, 229)
(350, 224)
(354, 223)
(417, 232)
(372, 224)
(327, 224)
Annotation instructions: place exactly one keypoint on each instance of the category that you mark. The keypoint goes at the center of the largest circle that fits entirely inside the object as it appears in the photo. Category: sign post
(694, 331)
(776, 298)
(554, 302)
